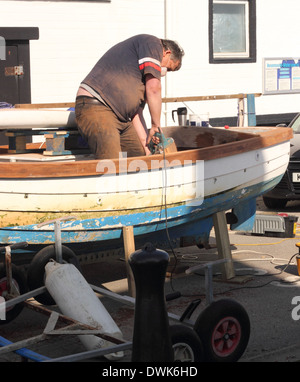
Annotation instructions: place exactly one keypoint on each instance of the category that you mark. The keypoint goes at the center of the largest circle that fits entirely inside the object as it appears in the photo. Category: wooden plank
(129, 248)
(17, 144)
(172, 148)
(241, 112)
(44, 105)
(165, 100)
(223, 244)
(207, 98)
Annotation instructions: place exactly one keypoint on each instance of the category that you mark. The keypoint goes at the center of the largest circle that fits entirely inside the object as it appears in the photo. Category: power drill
(163, 144)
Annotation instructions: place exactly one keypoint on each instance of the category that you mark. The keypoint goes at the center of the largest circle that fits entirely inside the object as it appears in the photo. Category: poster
(281, 75)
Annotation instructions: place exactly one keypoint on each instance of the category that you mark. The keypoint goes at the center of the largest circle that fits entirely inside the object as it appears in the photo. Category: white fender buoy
(77, 300)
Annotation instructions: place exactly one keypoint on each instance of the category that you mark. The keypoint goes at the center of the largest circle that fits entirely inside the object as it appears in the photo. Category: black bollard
(151, 336)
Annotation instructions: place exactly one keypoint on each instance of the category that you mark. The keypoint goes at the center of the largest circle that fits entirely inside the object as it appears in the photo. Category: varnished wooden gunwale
(265, 137)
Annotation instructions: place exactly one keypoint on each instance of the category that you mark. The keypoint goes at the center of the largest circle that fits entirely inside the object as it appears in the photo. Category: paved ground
(265, 283)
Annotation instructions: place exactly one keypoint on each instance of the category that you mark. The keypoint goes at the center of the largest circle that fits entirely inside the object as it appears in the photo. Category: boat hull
(157, 226)
(162, 198)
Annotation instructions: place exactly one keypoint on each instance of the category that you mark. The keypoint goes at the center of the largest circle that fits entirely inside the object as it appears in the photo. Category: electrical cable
(166, 219)
(253, 286)
(272, 261)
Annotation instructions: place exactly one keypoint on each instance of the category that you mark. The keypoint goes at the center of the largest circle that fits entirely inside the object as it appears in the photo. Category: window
(232, 31)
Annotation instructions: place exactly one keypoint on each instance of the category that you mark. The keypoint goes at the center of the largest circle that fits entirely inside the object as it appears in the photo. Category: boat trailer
(187, 340)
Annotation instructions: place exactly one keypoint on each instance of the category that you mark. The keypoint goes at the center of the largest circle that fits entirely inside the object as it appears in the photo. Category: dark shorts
(105, 134)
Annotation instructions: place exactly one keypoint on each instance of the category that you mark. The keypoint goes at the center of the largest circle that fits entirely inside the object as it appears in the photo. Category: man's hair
(176, 51)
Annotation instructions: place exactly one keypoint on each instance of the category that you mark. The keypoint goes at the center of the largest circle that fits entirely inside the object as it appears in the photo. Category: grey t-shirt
(119, 76)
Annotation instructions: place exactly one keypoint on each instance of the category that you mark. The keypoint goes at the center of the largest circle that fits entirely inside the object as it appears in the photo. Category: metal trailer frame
(75, 327)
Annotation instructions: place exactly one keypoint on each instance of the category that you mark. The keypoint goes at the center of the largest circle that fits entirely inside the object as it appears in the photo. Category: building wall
(73, 35)
(276, 37)
(276, 32)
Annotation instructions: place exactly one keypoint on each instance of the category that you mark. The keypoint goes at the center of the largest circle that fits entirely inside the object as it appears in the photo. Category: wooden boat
(163, 196)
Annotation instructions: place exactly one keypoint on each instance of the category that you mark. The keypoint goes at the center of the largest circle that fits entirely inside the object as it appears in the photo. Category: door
(9, 76)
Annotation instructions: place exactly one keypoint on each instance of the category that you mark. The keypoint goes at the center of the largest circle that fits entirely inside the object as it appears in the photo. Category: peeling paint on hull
(182, 220)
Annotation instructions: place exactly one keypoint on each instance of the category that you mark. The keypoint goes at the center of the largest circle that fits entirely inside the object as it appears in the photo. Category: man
(110, 100)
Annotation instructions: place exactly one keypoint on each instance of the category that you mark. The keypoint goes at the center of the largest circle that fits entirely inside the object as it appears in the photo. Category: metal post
(8, 270)
(208, 284)
(251, 110)
(58, 248)
(57, 235)
(129, 248)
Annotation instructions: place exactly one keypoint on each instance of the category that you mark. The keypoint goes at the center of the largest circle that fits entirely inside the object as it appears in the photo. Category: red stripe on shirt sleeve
(145, 64)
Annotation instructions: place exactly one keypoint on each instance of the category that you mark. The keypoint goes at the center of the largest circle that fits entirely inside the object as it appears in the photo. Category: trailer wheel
(186, 344)
(19, 282)
(224, 329)
(36, 270)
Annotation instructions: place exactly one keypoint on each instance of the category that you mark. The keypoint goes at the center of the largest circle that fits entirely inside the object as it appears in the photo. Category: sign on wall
(281, 75)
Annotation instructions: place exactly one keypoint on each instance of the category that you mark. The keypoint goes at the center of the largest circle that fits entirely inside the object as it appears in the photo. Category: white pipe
(76, 299)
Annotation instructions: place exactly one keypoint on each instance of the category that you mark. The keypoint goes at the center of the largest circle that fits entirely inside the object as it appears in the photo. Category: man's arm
(153, 98)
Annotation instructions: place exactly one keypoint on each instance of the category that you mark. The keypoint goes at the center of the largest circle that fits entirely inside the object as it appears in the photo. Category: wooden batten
(164, 100)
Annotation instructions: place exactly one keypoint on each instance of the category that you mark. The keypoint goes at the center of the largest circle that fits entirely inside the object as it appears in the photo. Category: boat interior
(48, 145)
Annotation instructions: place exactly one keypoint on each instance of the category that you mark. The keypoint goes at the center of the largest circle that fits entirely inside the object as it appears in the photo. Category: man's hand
(151, 136)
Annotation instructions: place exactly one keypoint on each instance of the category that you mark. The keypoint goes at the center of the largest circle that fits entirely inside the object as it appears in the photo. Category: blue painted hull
(105, 233)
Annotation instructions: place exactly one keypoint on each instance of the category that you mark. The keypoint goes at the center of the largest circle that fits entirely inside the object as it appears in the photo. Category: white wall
(277, 31)
(277, 36)
(73, 35)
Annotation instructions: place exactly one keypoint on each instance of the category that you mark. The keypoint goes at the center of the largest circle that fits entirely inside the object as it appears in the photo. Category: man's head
(172, 55)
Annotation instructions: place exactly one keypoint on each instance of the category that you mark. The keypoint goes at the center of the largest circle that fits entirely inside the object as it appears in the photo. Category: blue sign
(281, 75)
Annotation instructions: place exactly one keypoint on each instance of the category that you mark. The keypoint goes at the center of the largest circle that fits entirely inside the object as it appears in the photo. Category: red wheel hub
(3, 287)
(226, 336)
